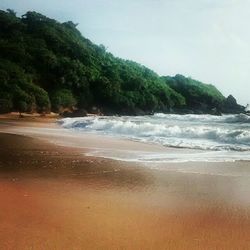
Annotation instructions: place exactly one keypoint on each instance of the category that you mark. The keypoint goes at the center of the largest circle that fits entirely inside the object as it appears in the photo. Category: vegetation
(197, 94)
(48, 65)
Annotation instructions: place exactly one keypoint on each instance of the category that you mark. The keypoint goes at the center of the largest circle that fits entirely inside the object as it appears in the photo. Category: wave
(238, 118)
(209, 132)
(174, 157)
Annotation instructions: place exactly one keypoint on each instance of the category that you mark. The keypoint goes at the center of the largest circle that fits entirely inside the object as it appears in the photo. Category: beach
(54, 196)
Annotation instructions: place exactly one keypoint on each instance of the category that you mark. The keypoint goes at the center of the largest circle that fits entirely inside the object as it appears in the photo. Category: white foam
(229, 133)
(174, 157)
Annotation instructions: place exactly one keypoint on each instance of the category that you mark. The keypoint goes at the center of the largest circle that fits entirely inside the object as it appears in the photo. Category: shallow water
(212, 138)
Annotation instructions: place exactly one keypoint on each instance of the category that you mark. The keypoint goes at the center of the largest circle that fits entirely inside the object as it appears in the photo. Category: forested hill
(46, 65)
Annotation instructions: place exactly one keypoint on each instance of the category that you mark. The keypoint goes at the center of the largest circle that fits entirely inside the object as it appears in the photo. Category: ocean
(192, 137)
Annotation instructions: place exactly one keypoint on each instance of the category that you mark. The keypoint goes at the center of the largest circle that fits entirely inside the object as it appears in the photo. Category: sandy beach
(55, 197)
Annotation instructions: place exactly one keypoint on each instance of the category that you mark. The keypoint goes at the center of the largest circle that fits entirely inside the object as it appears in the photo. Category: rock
(133, 112)
(75, 113)
(182, 111)
(230, 101)
(200, 112)
(139, 112)
(230, 106)
(96, 111)
(215, 111)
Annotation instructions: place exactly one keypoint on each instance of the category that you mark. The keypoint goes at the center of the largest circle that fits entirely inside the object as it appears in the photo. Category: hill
(47, 65)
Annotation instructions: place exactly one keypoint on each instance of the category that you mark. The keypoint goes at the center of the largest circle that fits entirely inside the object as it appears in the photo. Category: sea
(192, 137)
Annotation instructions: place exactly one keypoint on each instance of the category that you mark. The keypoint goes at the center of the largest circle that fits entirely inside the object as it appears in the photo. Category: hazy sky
(208, 40)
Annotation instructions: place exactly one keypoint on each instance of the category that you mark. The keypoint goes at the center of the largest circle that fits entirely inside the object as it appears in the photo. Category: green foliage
(62, 98)
(22, 106)
(42, 100)
(197, 94)
(16, 88)
(6, 104)
(46, 64)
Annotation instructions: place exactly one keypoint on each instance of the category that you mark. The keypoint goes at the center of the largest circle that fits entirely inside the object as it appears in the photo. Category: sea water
(207, 137)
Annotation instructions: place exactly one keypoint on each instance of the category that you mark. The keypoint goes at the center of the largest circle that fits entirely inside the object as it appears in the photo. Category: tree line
(47, 65)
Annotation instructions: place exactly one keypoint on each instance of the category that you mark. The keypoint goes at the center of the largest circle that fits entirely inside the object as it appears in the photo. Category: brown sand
(51, 197)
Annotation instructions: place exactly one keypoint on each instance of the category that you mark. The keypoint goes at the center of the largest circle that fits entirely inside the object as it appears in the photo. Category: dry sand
(53, 197)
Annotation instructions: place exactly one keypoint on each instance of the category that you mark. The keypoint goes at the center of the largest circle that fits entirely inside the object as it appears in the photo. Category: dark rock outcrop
(75, 113)
(230, 106)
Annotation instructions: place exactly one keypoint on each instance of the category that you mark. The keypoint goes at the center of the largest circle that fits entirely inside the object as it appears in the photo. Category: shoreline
(47, 130)
(115, 147)
(54, 197)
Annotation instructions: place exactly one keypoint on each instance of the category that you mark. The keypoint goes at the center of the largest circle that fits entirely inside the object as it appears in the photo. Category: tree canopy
(45, 64)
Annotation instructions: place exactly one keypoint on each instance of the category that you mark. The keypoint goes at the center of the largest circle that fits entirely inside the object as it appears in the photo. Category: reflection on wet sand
(54, 198)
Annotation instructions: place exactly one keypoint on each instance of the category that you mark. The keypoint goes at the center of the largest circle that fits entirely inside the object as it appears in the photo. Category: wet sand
(53, 197)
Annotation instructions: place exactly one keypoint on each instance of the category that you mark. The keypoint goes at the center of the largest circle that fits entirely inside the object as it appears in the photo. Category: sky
(208, 40)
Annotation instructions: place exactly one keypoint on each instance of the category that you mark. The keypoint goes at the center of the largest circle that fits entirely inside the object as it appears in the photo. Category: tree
(41, 58)
(6, 104)
(11, 12)
(61, 99)
(22, 107)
